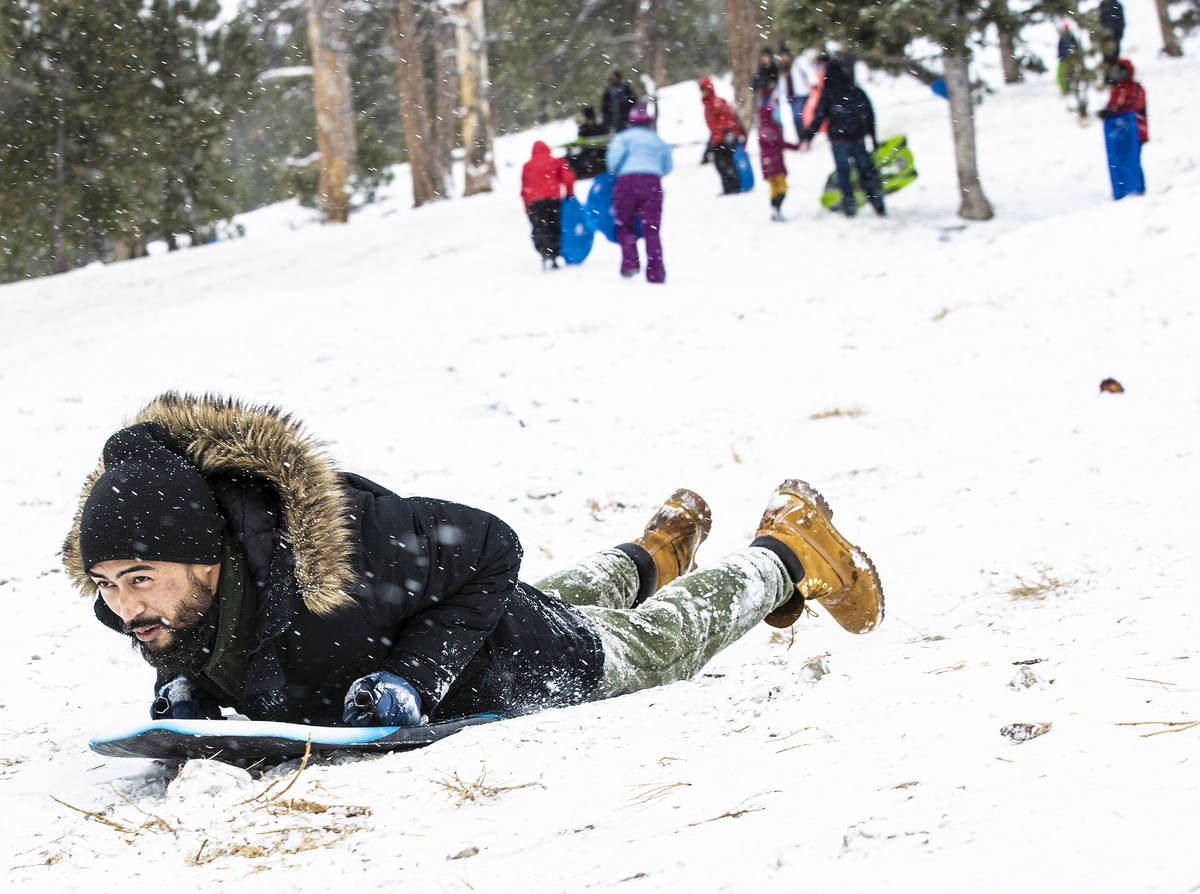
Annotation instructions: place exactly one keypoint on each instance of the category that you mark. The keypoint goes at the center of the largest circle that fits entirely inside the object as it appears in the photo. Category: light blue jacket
(638, 150)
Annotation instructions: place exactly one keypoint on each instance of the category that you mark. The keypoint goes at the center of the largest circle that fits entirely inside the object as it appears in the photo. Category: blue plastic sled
(577, 232)
(1124, 155)
(241, 741)
(745, 170)
(599, 207)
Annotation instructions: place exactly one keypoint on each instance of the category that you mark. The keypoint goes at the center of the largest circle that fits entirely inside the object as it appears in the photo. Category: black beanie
(151, 503)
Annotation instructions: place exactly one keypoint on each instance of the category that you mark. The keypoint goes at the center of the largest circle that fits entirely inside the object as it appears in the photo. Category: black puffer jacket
(844, 104)
(351, 578)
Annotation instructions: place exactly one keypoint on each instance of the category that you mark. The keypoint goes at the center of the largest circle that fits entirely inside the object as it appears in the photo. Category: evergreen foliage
(549, 58)
(910, 36)
(114, 125)
(124, 122)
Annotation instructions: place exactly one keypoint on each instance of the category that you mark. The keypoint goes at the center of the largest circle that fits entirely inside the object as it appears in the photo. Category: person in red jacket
(724, 133)
(1127, 95)
(545, 182)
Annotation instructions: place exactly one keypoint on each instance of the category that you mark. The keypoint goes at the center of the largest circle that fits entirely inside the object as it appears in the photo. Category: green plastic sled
(894, 161)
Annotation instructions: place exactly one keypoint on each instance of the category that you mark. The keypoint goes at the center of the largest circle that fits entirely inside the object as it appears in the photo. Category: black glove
(707, 156)
(181, 699)
(1104, 113)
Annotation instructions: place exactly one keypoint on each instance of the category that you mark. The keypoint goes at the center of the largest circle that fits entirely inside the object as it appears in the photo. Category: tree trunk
(336, 138)
(648, 24)
(1008, 54)
(446, 94)
(975, 205)
(410, 86)
(1170, 42)
(58, 258)
(477, 133)
(739, 18)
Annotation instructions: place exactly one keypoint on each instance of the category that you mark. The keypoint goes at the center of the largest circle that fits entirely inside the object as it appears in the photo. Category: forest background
(126, 123)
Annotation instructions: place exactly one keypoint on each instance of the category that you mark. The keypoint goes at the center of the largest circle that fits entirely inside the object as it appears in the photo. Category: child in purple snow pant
(639, 196)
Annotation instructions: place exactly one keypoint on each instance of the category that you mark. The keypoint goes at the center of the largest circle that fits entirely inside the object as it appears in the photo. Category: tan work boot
(674, 534)
(837, 574)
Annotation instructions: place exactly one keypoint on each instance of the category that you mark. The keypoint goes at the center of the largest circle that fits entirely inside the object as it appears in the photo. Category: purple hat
(640, 114)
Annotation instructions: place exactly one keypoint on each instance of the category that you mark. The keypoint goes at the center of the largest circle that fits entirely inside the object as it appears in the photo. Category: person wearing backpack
(851, 119)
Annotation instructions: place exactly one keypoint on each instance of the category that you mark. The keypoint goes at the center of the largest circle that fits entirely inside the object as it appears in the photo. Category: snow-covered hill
(938, 381)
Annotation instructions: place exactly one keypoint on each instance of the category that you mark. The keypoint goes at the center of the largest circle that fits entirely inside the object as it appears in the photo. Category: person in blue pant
(639, 159)
(851, 120)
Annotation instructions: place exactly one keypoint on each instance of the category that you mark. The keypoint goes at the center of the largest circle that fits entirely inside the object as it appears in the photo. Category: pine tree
(1171, 45)
(884, 35)
(333, 104)
(113, 132)
(427, 181)
(546, 58)
(478, 132)
(743, 53)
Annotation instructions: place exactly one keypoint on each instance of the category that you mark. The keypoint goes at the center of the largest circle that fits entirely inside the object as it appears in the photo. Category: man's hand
(181, 699)
(382, 699)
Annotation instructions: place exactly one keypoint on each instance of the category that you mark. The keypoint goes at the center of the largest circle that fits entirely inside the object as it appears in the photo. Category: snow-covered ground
(937, 380)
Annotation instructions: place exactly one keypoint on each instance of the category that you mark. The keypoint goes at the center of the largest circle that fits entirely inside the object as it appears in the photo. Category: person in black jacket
(1112, 29)
(255, 576)
(616, 103)
(851, 120)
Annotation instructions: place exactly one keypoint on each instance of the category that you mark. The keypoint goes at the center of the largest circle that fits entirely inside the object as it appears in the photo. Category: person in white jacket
(791, 93)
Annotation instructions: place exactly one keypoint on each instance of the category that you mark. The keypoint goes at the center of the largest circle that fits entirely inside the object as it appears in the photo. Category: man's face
(159, 603)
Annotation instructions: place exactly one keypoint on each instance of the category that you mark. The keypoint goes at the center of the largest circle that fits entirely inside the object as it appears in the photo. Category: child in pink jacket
(770, 149)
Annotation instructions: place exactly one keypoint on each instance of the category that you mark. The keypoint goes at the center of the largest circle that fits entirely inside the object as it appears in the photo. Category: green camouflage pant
(675, 632)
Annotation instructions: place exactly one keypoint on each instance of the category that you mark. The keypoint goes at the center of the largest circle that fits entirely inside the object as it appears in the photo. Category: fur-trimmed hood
(223, 435)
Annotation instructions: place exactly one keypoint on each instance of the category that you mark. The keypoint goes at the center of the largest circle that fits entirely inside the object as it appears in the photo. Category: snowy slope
(938, 381)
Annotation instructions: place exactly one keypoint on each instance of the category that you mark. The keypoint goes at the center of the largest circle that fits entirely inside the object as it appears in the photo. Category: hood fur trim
(222, 434)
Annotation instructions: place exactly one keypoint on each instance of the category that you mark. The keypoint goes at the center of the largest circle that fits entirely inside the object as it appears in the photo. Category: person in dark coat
(851, 120)
(585, 154)
(545, 182)
(255, 576)
(587, 125)
(616, 103)
(1112, 30)
(768, 70)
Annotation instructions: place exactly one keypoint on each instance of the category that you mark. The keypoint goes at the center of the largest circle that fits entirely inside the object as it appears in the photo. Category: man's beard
(192, 634)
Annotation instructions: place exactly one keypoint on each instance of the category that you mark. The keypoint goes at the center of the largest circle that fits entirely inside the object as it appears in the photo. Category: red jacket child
(1127, 95)
(718, 115)
(545, 177)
